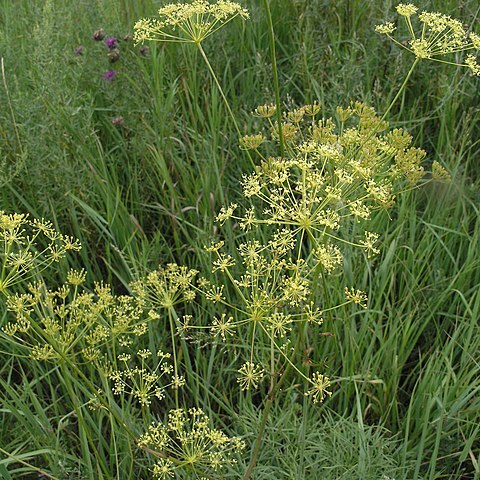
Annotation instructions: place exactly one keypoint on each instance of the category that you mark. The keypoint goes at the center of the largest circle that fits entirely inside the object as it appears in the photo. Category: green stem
(183, 343)
(82, 426)
(274, 387)
(400, 91)
(259, 439)
(224, 98)
(174, 350)
(273, 54)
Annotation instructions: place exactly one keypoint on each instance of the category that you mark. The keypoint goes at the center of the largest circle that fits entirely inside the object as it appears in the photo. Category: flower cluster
(334, 173)
(272, 297)
(309, 204)
(250, 375)
(113, 50)
(142, 382)
(72, 322)
(437, 35)
(188, 22)
(28, 247)
(188, 441)
(165, 287)
(319, 389)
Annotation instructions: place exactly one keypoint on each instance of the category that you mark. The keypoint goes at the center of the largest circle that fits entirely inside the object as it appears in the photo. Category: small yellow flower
(345, 113)
(475, 39)
(356, 296)
(406, 9)
(295, 116)
(266, 111)
(312, 109)
(165, 287)
(223, 263)
(329, 256)
(76, 278)
(250, 375)
(385, 28)
(215, 294)
(369, 242)
(289, 131)
(222, 326)
(319, 390)
(187, 440)
(421, 48)
(142, 382)
(251, 142)
(472, 64)
(215, 246)
(164, 469)
(279, 324)
(440, 173)
(226, 213)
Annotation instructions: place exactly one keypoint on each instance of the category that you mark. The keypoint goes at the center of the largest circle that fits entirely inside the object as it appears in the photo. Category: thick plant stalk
(275, 386)
(259, 439)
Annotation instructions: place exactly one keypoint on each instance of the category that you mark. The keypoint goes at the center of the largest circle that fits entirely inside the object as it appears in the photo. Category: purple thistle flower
(111, 42)
(109, 75)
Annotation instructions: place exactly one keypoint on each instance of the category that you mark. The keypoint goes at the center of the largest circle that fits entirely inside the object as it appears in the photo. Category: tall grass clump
(274, 281)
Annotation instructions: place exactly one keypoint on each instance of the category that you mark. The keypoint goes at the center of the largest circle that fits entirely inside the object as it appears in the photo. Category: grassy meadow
(137, 165)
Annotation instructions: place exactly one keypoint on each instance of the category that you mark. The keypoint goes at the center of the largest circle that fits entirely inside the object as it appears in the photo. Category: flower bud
(113, 55)
(117, 121)
(79, 50)
(99, 35)
(144, 51)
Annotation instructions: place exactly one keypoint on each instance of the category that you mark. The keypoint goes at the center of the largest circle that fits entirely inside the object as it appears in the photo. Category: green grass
(405, 400)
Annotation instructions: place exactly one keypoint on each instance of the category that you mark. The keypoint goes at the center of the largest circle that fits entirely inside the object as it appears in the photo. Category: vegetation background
(137, 168)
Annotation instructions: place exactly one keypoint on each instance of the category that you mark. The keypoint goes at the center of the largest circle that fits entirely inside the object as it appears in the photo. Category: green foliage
(138, 167)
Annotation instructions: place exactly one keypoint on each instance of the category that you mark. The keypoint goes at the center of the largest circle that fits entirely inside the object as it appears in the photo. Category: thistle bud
(113, 55)
(79, 50)
(98, 35)
(144, 51)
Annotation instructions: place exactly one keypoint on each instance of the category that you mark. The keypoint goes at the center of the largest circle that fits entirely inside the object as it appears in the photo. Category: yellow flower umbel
(188, 22)
(305, 214)
(270, 298)
(166, 287)
(434, 35)
(188, 442)
(28, 247)
(71, 323)
(250, 375)
(334, 174)
(319, 390)
(143, 383)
